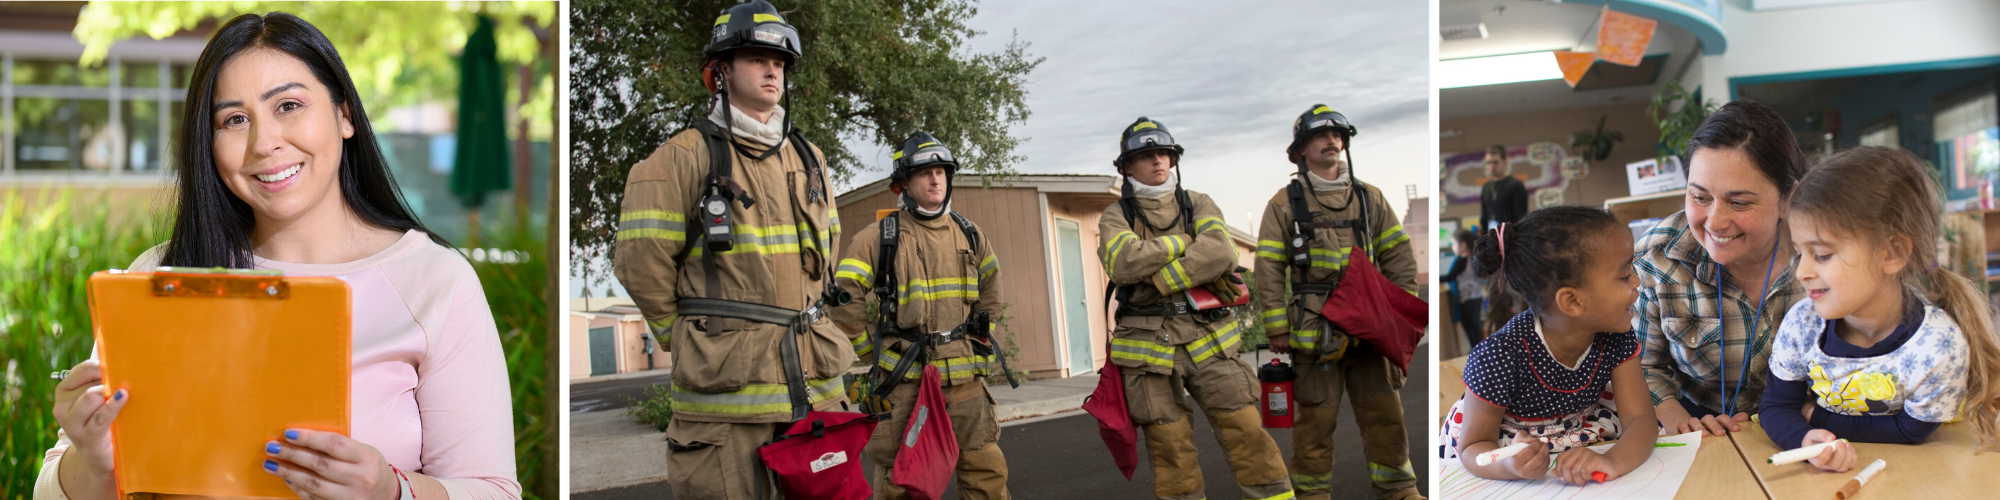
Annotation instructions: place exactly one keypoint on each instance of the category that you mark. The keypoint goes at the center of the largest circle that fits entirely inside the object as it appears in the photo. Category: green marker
(1668, 445)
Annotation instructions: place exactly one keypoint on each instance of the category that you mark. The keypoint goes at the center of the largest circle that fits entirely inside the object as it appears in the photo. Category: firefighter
(741, 294)
(936, 288)
(1158, 241)
(1345, 214)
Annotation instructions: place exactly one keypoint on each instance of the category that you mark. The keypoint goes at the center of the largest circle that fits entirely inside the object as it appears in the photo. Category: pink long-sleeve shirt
(430, 381)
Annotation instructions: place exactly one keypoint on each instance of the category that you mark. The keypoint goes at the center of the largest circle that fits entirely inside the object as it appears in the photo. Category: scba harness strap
(1304, 225)
(977, 325)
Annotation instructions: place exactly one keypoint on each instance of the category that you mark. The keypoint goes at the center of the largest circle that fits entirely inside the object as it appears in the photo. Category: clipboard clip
(220, 283)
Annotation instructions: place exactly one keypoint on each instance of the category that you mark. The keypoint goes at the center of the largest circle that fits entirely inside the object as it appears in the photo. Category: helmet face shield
(782, 36)
(1326, 120)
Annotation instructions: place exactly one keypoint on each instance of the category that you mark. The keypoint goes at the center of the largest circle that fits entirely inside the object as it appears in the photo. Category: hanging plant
(1677, 126)
(1596, 145)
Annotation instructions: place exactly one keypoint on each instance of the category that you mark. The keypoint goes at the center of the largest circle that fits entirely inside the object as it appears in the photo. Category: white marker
(1854, 485)
(1497, 455)
(1806, 452)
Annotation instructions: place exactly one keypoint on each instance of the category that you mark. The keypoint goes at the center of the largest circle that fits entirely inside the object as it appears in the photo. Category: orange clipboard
(218, 363)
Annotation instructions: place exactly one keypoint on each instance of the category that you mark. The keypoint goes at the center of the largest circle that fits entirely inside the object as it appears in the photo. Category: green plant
(1253, 329)
(656, 409)
(1677, 123)
(512, 272)
(1008, 346)
(1596, 145)
(48, 256)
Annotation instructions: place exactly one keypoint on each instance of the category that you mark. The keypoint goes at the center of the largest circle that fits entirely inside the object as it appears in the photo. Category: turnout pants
(1225, 388)
(1372, 384)
(981, 471)
(725, 465)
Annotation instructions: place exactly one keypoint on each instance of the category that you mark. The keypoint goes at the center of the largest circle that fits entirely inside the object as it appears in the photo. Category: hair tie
(1500, 233)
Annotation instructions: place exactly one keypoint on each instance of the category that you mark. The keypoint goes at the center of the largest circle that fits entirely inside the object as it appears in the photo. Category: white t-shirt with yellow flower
(1925, 377)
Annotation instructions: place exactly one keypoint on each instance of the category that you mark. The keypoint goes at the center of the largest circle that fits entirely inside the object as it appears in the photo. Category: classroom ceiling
(1521, 26)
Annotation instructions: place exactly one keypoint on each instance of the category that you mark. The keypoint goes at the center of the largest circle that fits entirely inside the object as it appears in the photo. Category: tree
(878, 69)
(398, 53)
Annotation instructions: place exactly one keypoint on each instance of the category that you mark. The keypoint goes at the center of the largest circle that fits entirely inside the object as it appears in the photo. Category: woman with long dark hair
(1716, 278)
(280, 170)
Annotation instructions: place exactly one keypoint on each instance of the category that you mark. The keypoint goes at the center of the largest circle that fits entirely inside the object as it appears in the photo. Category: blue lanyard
(1750, 346)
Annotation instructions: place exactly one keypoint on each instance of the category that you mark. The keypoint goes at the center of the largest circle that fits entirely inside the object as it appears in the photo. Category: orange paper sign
(217, 366)
(1622, 38)
(1574, 64)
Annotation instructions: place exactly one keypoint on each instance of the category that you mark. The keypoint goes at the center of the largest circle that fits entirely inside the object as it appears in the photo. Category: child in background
(1558, 375)
(1888, 345)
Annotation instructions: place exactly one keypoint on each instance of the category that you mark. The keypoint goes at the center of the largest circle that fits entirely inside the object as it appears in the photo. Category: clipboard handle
(220, 283)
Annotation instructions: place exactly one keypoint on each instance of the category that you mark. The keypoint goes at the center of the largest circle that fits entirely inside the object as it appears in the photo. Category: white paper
(1659, 478)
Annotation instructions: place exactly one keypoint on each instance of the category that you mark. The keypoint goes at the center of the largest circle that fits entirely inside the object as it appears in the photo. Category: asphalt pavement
(1062, 457)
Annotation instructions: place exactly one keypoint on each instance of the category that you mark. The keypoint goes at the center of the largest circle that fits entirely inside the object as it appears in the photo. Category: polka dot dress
(1570, 405)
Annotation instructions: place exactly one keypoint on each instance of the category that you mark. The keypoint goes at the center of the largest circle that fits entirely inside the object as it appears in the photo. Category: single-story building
(608, 336)
(1043, 229)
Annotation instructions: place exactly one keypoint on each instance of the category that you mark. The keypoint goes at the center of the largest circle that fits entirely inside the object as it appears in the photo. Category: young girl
(1888, 345)
(1550, 376)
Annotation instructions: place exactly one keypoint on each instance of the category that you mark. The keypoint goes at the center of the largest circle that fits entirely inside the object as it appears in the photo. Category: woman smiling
(280, 170)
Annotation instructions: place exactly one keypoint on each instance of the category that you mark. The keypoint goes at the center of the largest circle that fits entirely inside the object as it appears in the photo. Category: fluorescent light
(1497, 70)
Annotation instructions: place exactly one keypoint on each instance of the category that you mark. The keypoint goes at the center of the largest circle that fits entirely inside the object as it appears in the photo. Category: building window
(58, 117)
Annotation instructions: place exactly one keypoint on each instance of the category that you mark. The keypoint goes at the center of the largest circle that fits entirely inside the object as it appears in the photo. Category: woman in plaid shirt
(1716, 278)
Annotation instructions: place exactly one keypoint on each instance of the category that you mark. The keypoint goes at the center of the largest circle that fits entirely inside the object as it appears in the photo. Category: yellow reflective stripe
(754, 399)
(833, 220)
(1176, 245)
(1390, 238)
(1118, 242)
(1216, 342)
(1274, 250)
(856, 270)
(988, 266)
(1322, 109)
(767, 240)
(1143, 126)
(1276, 318)
(1305, 338)
(1175, 276)
(1386, 473)
(765, 18)
(863, 345)
(1330, 259)
(1140, 350)
(959, 367)
(653, 224)
(1281, 496)
(941, 288)
(723, 19)
(663, 323)
(1312, 483)
(1204, 224)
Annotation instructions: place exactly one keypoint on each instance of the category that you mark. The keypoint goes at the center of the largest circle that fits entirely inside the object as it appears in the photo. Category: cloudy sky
(1225, 79)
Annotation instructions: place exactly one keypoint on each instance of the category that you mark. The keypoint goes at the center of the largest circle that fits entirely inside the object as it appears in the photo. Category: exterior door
(603, 354)
(1069, 243)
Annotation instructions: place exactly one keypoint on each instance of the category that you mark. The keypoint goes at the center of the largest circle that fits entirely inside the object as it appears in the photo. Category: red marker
(1597, 476)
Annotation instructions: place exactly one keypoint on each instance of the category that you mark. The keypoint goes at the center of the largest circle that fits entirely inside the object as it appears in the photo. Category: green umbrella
(481, 164)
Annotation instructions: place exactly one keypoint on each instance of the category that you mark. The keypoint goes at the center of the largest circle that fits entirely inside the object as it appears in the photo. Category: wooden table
(1719, 473)
(1944, 466)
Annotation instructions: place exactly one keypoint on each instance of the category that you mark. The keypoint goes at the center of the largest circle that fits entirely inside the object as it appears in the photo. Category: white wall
(1848, 36)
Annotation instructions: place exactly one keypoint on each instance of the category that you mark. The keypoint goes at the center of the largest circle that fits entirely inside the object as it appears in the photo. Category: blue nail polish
(271, 448)
(118, 396)
(292, 434)
(270, 465)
